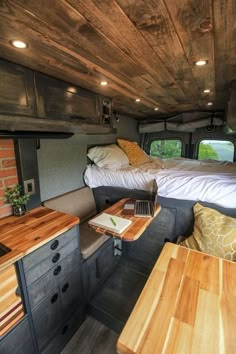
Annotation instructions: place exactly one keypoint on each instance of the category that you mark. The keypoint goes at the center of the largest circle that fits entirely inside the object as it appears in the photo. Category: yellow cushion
(135, 154)
(214, 233)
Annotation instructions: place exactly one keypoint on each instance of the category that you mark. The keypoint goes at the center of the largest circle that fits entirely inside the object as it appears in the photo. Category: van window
(222, 150)
(165, 148)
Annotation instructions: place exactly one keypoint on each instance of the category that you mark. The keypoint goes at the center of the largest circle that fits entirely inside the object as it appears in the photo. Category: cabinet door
(66, 101)
(18, 341)
(71, 290)
(65, 332)
(46, 318)
(45, 284)
(17, 93)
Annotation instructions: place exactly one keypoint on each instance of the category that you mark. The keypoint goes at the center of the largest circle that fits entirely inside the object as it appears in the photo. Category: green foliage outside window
(166, 148)
(222, 150)
(207, 152)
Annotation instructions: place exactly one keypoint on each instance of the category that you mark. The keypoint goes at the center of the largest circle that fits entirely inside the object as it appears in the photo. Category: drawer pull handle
(56, 258)
(54, 245)
(54, 298)
(64, 330)
(57, 270)
(65, 287)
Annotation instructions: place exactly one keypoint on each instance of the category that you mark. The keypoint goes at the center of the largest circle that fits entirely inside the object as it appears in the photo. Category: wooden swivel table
(135, 230)
(188, 306)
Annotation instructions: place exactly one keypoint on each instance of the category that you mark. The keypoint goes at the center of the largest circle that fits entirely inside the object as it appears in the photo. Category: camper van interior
(99, 101)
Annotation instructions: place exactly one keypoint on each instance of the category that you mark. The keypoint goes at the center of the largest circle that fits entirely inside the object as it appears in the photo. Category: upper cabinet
(26, 95)
(61, 100)
(17, 93)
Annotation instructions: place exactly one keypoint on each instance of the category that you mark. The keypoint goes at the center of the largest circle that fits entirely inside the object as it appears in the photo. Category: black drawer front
(18, 341)
(65, 332)
(71, 290)
(41, 288)
(50, 248)
(46, 318)
(52, 261)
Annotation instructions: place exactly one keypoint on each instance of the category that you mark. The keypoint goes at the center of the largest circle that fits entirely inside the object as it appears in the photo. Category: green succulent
(14, 196)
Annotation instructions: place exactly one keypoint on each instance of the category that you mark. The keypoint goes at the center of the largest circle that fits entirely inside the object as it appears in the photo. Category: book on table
(110, 222)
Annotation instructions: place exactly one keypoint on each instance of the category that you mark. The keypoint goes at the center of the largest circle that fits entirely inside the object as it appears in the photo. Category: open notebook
(110, 222)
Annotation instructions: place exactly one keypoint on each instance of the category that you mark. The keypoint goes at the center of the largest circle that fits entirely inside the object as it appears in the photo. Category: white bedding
(213, 182)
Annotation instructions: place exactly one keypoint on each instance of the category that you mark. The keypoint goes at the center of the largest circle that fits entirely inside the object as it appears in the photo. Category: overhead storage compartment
(33, 102)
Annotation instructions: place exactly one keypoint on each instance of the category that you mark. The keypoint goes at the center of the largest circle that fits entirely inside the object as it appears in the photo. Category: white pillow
(108, 156)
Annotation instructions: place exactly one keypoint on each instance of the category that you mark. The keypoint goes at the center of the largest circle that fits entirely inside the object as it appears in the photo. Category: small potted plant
(18, 200)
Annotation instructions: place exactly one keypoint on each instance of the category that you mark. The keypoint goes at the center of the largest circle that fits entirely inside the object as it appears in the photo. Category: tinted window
(166, 148)
(222, 150)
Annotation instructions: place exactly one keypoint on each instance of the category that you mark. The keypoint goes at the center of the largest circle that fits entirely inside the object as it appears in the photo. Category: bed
(186, 179)
(181, 183)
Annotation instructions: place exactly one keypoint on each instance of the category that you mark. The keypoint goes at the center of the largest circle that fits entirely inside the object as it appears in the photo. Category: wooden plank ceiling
(144, 49)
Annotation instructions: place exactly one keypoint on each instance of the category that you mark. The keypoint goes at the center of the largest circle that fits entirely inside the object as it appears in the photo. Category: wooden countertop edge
(16, 254)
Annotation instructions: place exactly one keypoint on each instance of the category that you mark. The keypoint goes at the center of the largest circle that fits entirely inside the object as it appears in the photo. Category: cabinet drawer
(71, 291)
(19, 340)
(41, 288)
(46, 318)
(51, 262)
(50, 248)
(65, 332)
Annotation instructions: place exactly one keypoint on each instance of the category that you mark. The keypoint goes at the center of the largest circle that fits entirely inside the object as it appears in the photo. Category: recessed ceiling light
(200, 62)
(210, 104)
(72, 89)
(137, 100)
(207, 91)
(103, 83)
(19, 44)
(156, 109)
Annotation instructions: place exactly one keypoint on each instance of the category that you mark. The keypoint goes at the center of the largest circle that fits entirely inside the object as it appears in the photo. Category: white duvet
(213, 182)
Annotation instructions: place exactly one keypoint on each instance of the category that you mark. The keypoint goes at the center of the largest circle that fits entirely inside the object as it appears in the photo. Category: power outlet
(29, 186)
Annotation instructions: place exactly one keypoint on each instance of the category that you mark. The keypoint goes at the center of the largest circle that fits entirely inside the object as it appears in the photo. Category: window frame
(168, 139)
(215, 139)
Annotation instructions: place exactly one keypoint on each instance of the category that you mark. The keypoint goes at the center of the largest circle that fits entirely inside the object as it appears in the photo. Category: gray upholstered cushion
(90, 240)
(80, 203)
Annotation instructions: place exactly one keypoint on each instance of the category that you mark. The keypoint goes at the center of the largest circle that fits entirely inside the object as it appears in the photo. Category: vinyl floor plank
(120, 292)
(92, 338)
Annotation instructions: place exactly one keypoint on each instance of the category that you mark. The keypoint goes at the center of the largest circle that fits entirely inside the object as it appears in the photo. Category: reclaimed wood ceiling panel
(145, 49)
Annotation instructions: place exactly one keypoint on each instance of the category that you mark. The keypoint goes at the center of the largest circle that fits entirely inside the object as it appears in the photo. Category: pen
(113, 221)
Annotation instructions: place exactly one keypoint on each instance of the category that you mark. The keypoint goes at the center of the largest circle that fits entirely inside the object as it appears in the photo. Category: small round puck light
(103, 83)
(19, 44)
(156, 109)
(137, 100)
(207, 91)
(210, 104)
(200, 62)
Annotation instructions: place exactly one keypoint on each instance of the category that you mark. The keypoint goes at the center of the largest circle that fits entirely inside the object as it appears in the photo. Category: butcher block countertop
(26, 233)
(187, 306)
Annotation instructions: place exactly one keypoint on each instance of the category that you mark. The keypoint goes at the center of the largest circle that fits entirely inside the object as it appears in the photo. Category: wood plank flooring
(92, 338)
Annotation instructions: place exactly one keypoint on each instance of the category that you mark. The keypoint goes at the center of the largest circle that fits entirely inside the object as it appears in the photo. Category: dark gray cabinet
(65, 101)
(17, 92)
(18, 340)
(26, 94)
(55, 290)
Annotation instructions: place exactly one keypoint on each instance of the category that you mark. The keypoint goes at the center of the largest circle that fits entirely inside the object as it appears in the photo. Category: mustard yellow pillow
(135, 154)
(214, 233)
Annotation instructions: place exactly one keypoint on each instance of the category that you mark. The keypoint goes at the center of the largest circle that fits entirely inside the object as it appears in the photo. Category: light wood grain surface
(11, 308)
(27, 233)
(135, 230)
(187, 306)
